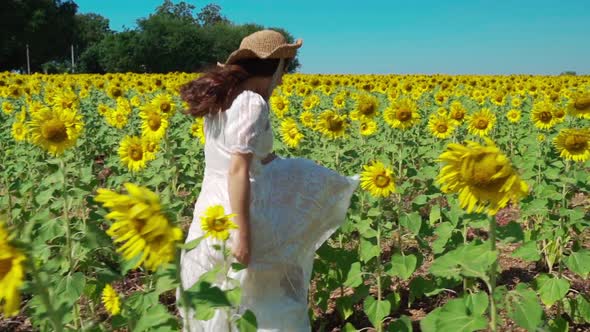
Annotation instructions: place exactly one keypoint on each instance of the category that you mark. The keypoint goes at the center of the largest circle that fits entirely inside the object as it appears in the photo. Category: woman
(285, 208)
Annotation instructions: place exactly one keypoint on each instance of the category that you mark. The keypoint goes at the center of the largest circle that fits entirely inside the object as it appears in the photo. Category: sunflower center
(559, 113)
(280, 105)
(5, 266)
(54, 131)
(117, 93)
(219, 224)
(576, 143)
(334, 124)
(367, 109)
(404, 114)
(293, 132)
(151, 147)
(136, 152)
(545, 116)
(165, 107)
(154, 122)
(582, 104)
(458, 115)
(382, 180)
(482, 171)
(481, 124)
(442, 128)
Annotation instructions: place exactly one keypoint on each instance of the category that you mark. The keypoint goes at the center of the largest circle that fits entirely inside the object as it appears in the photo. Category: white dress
(295, 206)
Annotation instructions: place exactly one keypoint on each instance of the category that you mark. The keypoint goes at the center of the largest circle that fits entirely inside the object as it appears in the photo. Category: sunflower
(366, 108)
(377, 179)
(541, 138)
(310, 102)
(290, 133)
(55, 130)
(559, 114)
(132, 153)
(11, 275)
(367, 127)
(65, 99)
(339, 101)
(458, 112)
(216, 224)
(163, 103)
(516, 102)
(307, 119)
(152, 147)
(481, 122)
(198, 129)
(402, 114)
(573, 144)
(7, 107)
(542, 115)
(482, 176)
(19, 131)
(102, 109)
(513, 115)
(116, 118)
(114, 91)
(279, 105)
(154, 124)
(331, 124)
(139, 226)
(440, 126)
(579, 105)
(111, 300)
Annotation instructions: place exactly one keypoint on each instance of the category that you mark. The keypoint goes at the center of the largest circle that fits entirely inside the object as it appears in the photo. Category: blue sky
(427, 36)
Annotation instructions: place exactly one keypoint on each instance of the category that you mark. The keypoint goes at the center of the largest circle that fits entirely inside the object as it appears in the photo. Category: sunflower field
(473, 212)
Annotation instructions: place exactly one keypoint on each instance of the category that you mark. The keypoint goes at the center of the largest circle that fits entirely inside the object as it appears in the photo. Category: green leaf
(551, 289)
(376, 310)
(191, 244)
(368, 249)
(203, 292)
(344, 305)
(528, 251)
(154, 317)
(455, 316)
(354, 278)
(558, 325)
(477, 303)
(412, 222)
(428, 323)
(443, 232)
(434, 214)
(524, 308)
(470, 260)
(234, 296)
(247, 322)
(395, 300)
(403, 324)
(403, 265)
(349, 328)
(579, 262)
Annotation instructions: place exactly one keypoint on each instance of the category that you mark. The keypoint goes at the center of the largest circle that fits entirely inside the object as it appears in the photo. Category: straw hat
(264, 44)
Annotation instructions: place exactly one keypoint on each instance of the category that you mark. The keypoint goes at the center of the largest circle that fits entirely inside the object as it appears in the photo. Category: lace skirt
(296, 205)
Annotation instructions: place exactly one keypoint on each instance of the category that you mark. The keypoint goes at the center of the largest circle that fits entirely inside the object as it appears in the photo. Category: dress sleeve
(247, 124)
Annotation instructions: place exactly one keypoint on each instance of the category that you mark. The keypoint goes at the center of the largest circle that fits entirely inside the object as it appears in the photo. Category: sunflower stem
(67, 225)
(492, 272)
(379, 325)
(184, 300)
(46, 298)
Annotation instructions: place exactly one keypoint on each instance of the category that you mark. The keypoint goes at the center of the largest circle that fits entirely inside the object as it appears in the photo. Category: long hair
(215, 90)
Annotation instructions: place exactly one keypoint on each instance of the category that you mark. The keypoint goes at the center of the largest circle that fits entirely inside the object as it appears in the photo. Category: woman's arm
(239, 198)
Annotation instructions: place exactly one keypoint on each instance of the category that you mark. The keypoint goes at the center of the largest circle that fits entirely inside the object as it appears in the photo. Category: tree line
(175, 37)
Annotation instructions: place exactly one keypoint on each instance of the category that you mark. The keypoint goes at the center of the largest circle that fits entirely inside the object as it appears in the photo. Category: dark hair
(215, 90)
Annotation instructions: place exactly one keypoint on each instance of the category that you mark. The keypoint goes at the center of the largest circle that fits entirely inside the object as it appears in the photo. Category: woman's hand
(241, 248)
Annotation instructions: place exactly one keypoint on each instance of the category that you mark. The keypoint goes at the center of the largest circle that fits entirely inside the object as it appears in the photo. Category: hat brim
(282, 51)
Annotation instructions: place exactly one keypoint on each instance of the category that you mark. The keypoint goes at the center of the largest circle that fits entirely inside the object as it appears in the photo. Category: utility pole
(28, 61)
(72, 48)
